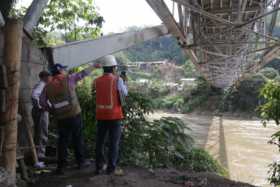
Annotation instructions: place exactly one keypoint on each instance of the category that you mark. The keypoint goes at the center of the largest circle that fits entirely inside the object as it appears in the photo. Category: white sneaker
(39, 165)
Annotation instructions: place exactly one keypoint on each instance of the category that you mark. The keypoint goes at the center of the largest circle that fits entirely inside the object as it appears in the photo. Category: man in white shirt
(40, 116)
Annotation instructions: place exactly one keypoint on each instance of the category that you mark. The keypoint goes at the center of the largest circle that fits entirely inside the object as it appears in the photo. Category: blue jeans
(113, 127)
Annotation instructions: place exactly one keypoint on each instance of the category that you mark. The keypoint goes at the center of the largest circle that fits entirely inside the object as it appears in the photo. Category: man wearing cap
(109, 88)
(66, 109)
(40, 117)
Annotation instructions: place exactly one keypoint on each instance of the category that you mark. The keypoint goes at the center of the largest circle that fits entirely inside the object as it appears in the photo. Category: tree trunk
(8, 119)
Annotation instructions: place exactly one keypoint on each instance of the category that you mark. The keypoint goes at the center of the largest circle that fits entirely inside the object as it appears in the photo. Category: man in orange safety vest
(110, 88)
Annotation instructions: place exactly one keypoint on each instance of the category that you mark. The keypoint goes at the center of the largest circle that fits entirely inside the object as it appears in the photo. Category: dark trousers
(70, 131)
(41, 123)
(113, 127)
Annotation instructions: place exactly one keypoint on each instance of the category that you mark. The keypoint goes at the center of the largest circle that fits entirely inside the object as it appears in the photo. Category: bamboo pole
(8, 119)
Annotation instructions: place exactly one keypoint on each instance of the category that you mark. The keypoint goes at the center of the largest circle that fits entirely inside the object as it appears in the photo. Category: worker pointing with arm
(61, 93)
(110, 88)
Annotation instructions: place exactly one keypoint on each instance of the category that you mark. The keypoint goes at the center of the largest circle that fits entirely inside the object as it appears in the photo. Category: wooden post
(8, 119)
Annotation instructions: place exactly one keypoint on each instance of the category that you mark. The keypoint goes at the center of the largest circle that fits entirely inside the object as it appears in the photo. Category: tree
(5, 7)
(270, 110)
(158, 49)
(73, 19)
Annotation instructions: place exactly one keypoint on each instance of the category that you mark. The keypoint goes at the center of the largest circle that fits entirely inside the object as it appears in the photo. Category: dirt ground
(230, 139)
(136, 177)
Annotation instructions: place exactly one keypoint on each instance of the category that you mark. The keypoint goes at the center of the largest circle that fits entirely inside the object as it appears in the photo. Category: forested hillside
(159, 49)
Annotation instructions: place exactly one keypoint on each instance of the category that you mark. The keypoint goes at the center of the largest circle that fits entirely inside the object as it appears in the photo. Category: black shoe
(59, 171)
(84, 165)
(97, 172)
(109, 171)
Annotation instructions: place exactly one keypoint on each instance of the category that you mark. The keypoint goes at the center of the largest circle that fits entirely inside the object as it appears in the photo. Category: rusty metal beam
(273, 19)
(214, 53)
(233, 11)
(242, 8)
(270, 55)
(33, 14)
(77, 53)
(203, 12)
(165, 15)
(181, 16)
(259, 17)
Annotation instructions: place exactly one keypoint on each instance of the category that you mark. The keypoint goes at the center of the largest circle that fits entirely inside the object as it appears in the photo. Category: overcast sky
(121, 14)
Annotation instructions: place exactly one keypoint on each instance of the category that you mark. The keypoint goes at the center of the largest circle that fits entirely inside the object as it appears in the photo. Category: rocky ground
(135, 177)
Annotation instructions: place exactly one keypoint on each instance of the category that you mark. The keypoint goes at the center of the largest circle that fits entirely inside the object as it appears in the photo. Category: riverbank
(232, 140)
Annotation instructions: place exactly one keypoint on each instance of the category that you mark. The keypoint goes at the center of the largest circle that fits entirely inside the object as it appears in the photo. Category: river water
(239, 144)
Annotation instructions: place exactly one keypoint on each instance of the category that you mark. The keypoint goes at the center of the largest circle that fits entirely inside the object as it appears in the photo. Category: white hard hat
(108, 61)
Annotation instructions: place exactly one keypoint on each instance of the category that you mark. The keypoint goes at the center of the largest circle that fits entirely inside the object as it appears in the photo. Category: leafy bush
(194, 102)
(171, 102)
(189, 69)
(161, 143)
(270, 110)
(197, 96)
(269, 73)
(245, 97)
(199, 160)
(87, 102)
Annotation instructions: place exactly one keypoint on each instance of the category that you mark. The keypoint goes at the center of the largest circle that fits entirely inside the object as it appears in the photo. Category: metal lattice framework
(225, 39)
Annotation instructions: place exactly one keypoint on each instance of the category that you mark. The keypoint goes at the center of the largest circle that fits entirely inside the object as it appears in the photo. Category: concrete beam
(77, 53)
(33, 14)
(270, 55)
(2, 21)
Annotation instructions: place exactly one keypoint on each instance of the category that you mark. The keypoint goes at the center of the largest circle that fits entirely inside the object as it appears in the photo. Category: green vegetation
(199, 160)
(152, 144)
(270, 110)
(65, 20)
(155, 50)
(245, 97)
(5, 7)
(77, 20)
(187, 99)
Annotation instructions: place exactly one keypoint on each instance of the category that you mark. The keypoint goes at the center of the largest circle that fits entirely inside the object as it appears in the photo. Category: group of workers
(55, 94)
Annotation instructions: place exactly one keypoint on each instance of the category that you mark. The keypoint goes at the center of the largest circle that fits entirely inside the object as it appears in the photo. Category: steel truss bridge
(225, 39)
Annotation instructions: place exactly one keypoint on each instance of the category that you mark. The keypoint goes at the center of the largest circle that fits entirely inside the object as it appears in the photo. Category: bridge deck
(224, 38)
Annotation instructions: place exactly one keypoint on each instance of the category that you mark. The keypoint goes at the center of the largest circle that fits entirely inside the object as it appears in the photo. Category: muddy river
(239, 144)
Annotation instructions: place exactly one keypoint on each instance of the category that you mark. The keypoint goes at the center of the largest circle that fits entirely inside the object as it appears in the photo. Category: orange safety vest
(108, 106)
(64, 100)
